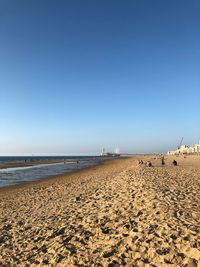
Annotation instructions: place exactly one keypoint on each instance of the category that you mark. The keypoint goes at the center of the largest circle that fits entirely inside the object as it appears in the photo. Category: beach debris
(140, 162)
(163, 161)
(174, 162)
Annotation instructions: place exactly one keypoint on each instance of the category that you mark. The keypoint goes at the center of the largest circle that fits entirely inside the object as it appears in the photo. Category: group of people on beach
(149, 164)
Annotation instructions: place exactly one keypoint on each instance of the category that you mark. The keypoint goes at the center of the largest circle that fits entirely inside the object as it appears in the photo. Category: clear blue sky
(76, 76)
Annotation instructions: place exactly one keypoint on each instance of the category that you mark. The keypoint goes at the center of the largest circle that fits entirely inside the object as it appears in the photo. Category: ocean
(18, 175)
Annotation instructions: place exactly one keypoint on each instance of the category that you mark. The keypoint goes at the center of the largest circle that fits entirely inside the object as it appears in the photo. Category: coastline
(8, 165)
(13, 164)
(45, 169)
(52, 178)
(112, 214)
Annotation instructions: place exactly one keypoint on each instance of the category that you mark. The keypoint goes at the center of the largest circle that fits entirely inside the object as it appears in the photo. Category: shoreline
(8, 165)
(52, 178)
(57, 177)
(117, 213)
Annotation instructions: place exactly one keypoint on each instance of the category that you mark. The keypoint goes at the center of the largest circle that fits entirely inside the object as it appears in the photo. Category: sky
(77, 76)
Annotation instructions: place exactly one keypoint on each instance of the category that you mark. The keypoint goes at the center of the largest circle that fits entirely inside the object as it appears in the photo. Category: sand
(116, 214)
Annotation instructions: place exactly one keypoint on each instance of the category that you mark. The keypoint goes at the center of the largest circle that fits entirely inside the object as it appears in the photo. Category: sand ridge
(117, 214)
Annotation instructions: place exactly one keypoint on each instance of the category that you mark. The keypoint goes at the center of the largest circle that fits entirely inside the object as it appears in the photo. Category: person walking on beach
(162, 161)
(149, 164)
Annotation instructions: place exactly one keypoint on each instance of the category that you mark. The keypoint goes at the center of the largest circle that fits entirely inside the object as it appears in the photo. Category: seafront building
(183, 149)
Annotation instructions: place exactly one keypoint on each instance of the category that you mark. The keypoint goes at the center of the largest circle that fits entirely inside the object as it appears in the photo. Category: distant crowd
(149, 164)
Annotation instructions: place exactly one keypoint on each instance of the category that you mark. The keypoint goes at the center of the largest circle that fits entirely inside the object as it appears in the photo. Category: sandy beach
(119, 213)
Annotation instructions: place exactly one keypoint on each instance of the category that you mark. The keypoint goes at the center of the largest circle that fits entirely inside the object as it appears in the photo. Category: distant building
(197, 148)
(104, 153)
(194, 149)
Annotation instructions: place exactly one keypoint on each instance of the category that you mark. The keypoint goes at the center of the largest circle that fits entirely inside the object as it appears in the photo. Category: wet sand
(116, 214)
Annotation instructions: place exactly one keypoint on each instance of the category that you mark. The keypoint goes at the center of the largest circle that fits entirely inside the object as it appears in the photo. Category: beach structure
(117, 151)
(104, 153)
(184, 149)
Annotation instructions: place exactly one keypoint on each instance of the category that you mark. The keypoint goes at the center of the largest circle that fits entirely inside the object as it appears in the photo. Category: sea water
(18, 175)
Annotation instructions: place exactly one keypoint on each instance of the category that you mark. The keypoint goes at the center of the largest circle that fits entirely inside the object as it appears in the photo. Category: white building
(197, 148)
(194, 149)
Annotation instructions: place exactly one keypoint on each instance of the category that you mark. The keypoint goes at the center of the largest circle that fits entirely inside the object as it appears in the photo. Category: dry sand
(115, 214)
